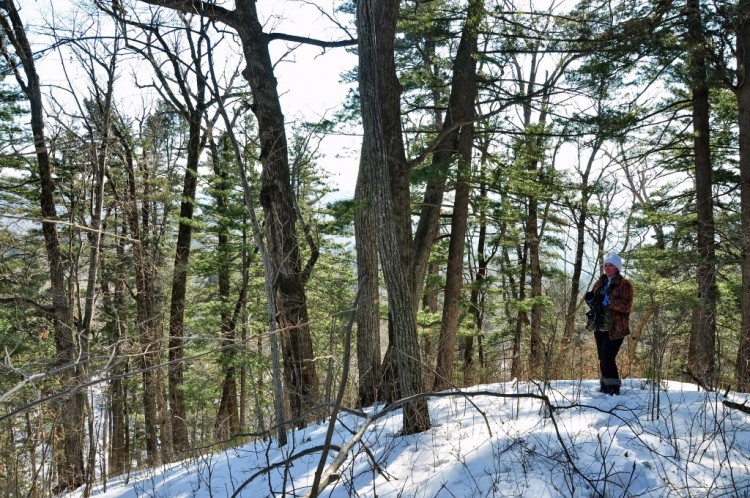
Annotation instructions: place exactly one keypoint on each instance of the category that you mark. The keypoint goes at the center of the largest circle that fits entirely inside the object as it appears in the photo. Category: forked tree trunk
(580, 218)
(383, 154)
(276, 198)
(476, 298)
(533, 144)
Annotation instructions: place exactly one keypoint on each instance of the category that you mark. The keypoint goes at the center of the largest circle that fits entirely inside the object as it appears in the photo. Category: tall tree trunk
(368, 309)
(138, 213)
(533, 242)
(531, 157)
(119, 444)
(454, 278)
(195, 145)
(150, 342)
(533, 150)
(432, 200)
(743, 104)
(522, 319)
(179, 286)
(478, 288)
(99, 136)
(383, 154)
(476, 299)
(702, 346)
(70, 407)
(113, 289)
(276, 198)
(463, 96)
(563, 355)
(246, 372)
(279, 403)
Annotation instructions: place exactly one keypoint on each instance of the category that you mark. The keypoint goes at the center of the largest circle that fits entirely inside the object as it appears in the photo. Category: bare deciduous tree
(20, 59)
(276, 196)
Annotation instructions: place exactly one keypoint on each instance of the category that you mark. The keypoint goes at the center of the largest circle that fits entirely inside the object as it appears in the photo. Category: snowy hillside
(495, 441)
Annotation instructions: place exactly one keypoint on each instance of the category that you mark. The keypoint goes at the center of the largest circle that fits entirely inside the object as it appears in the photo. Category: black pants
(606, 350)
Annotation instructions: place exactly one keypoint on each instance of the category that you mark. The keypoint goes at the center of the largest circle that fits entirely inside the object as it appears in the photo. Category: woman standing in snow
(610, 301)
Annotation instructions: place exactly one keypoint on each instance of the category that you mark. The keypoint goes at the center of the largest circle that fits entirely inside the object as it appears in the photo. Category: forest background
(169, 238)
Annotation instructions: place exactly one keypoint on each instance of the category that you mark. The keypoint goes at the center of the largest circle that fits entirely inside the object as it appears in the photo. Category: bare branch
(304, 40)
(26, 302)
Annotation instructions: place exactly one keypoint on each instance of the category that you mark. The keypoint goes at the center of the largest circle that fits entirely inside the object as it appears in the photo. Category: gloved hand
(589, 297)
(606, 300)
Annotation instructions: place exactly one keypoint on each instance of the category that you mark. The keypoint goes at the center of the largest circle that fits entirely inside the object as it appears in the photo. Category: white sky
(311, 89)
(309, 81)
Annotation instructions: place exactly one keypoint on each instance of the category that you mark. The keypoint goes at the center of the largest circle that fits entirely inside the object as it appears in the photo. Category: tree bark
(194, 114)
(463, 96)
(383, 155)
(368, 309)
(742, 372)
(702, 346)
(70, 407)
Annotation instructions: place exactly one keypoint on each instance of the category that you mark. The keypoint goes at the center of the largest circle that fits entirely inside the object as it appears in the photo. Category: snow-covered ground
(494, 441)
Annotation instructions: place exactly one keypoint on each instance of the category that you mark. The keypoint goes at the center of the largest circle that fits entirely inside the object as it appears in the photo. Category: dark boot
(612, 390)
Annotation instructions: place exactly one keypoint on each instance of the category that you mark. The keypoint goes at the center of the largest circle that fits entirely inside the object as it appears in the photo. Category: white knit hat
(614, 259)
